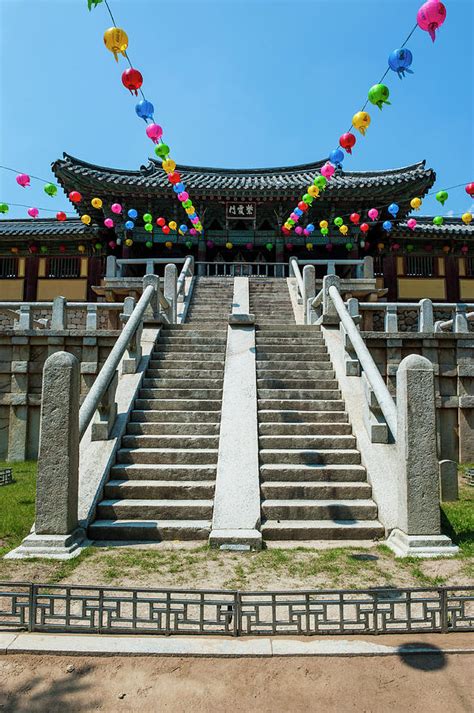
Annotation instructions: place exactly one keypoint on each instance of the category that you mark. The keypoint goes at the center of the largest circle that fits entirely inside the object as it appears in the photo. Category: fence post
(461, 324)
(309, 290)
(391, 319)
(106, 412)
(133, 354)
(368, 267)
(91, 318)
(56, 532)
(58, 317)
(170, 294)
(329, 315)
(150, 267)
(418, 531)
(111, 266)
(425, 318)
(154, 281)
(24, 318)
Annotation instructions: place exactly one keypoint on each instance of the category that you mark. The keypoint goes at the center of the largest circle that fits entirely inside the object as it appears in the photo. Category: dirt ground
(415, 683)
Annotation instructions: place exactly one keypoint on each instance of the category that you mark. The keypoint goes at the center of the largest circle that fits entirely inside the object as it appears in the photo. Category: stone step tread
(142, 483)
(335, 528)
(146, 440)
(295, 485)
(184, 416)
(169, 428)
(300, 404)
(203, 404)
(153, 530)
(310, 428)
(299, 394)
(206, 451)
(184, 383)
(149, 502)
(158, 393)
(307, 451)
(164, 472)
(306, 502)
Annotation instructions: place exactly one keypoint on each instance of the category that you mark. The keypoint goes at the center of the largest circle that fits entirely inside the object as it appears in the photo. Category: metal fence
(110, 610)
(6, 476)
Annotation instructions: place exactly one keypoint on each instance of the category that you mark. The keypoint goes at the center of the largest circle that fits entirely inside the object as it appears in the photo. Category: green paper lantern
(149, 244)
(338, 221)
(148, 227)
(147, 217)
(50, 189)
(324, 231)
(43, 249)
(162, 150)
(4, 208)
(438, 220)
(98, 246)
(320, 182)
(189, 244)
(349, 246)
(308, 199)
(269, 246)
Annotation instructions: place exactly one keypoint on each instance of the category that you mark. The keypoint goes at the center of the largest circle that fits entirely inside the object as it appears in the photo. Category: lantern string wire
(13, 170)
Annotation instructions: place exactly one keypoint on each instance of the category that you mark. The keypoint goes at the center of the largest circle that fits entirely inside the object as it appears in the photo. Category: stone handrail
(241, 269)
(186, 271)
(363, 268)
(115, 266)
(108, 374)
(296, 273)
(21, 313)
(376, 382)
(425, 309)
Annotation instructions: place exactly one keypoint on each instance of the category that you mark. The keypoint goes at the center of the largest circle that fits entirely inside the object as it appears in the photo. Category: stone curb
(103, 645)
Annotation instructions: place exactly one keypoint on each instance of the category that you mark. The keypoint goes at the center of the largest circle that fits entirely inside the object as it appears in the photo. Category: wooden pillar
(451, 269)
(94, 276)
(390, 277)
(31, 278)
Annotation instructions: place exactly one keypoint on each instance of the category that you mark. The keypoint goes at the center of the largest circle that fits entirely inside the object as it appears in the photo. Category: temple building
(242, 211)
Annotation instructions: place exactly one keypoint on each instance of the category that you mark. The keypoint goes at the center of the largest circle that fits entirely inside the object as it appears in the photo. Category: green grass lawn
(17, 505)
(457, 520)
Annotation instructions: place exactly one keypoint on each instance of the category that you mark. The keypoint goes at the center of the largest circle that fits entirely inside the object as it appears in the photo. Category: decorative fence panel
(110, 610)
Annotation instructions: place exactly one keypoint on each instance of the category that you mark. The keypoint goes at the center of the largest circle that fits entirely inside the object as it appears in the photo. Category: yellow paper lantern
(129, 242)
(416, 203)
(116, 41)
(229, 246)
(309, 246)
(81, 248)
(466, 218)
(361, 121)
(168, 165)
(344, 229)
(323, 224)
(14, 250)
(96, 203)
(313, 191)
(172, 225)
(380, 246)
(180, 232)
(86, 219)
(446, 249)
(169, 244)
(190, 210)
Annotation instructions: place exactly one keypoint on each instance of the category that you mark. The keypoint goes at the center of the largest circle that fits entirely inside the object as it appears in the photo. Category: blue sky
(235, 84)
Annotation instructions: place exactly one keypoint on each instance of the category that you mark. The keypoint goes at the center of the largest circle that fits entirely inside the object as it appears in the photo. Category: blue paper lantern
(336, 157)
(132, 213)
(310, 227)
(145, 109)
(298, 212)
(387, 225)
(183, 228)
(393, 209)
(400, 61)
(129, 225)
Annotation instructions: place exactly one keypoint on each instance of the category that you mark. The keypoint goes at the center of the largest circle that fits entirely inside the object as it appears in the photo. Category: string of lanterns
(430, 17)
(116, 41)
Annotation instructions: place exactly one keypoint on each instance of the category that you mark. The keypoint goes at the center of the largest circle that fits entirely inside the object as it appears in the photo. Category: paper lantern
(61, 216)
(96, 203)
(169, 244)
(347, 141)
(154, 132)
(33, 212)
(75, 197)
(109, 223)
(361, 121)
(416, 203)
(129, 242)
(229, 246)
(466, 218)
(4, 208)
(132, 80)
(23, 180)
(400, 61)
(145, 110)
(86, 219)
(162, 150)
(50, 189)
(116, 41)
(116, 208)
(431, 16)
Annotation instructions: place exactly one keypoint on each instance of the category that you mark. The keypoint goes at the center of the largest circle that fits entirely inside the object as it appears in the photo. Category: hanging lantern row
(116, 41)
(430, 17)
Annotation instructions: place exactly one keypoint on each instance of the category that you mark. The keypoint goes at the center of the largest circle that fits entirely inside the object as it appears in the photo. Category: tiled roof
(452, 227)
(282, 181)
(33, 228)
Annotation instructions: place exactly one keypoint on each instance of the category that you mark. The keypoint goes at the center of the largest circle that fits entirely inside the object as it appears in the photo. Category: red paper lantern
(174, 177)
(160, 222)
(62, 248)
(354, 218)
(61, 216)
(132, 80)
(470, 189)
(285, 231)
(33, 249)
(75, 197)
(347, 142)
(364, 227)
(165, 229)
(303, 206)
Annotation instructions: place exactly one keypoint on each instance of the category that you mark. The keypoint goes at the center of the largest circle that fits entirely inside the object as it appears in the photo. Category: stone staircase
(313, 485)
(162, 485)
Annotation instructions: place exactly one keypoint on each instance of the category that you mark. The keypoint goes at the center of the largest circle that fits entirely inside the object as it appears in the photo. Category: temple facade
(242, 211)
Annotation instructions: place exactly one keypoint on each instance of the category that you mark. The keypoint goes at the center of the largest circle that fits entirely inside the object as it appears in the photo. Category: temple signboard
(246, 210)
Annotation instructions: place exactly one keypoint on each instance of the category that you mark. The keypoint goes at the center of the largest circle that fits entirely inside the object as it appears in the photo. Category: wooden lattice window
(469, 262)
(8, 267)
(420, 266)
(63, 267)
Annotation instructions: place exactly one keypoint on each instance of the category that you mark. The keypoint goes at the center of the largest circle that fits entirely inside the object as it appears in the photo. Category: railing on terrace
(242, 269)
(120, 610)
(138, 267)
(426, 311)
(23, 315)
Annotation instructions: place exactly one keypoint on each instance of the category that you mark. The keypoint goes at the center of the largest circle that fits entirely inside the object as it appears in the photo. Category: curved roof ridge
(299, 168)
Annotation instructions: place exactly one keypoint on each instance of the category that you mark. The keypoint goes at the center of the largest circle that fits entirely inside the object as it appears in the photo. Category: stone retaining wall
(22, 357)
(76, 318)
(407, 319)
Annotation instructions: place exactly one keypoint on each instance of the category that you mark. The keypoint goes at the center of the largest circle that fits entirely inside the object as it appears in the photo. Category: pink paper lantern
(373, 214)
(33, 212)
(116, 208)
(329, 247)
(23, 180)
(249, 246)
(328, 170)
(154, 132)
(299, 230)
(109, 223)
(184, 196)
(294, 217)
(411, 223)
(112, 244)
(289, 246)
(431, 16)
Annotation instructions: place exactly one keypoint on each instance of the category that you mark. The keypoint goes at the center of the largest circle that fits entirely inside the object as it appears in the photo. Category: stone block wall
(22, 357)
(76, 318)
(407, 319)
(452, 357)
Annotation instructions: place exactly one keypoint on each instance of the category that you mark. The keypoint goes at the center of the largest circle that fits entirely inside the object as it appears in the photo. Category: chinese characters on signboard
(246, 210)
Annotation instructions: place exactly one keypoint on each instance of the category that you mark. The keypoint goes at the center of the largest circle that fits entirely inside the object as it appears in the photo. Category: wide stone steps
(324, 371)
(143, 530)
(305, 456)
(307, 428)
(314, 472)
(178, 404)
(186, 383)
(300, 404)
(178, 456)
(174, 441)
(277, 415)
(265, 383)
(305, 442)
(185, 373)
(130, 509)
(306, 509)
(159, 490)
(188, 348)
(177, 416)
(173, 429)
(163, 472)
(213, 394)
(321, 490)
(297, 394)
(333, 529)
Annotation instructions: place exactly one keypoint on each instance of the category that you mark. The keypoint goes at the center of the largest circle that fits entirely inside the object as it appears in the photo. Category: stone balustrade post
(351, 361)
(106, 412)
(425, 316)
(418, 531)
(59, 317)
(111, 266)
(24, 320)
(329, 315)
(133, 354)
(150, 267)
(309, 290)
(461, 324)
(154, 281)
(56, 532)
(368, 268)
(91, 318)
(170, 291)
(331, 269)
(391, 319)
